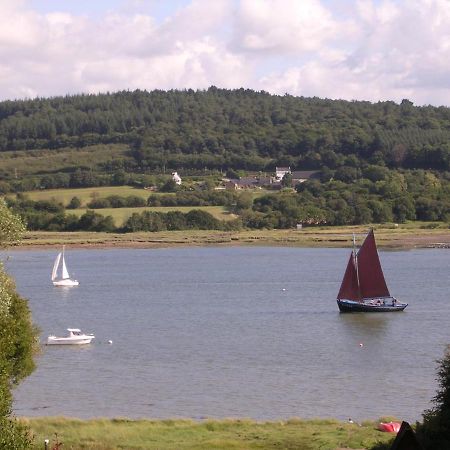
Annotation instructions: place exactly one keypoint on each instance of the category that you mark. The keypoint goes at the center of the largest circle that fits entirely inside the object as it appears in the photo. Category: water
(231, 332)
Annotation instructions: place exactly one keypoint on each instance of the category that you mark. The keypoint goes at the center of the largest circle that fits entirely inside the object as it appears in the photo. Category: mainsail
(364, 277)
(371, 278)
(65, 273)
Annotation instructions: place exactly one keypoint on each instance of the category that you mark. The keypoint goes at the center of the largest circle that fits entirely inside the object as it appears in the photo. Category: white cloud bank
(364, 50)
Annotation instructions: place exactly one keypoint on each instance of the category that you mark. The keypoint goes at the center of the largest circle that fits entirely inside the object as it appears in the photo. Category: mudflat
(388, 236)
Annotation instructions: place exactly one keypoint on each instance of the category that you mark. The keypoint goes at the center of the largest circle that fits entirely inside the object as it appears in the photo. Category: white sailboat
(64, 279)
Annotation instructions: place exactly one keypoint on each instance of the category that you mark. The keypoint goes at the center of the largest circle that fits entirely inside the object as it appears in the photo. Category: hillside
(223, 129)
(374, 163)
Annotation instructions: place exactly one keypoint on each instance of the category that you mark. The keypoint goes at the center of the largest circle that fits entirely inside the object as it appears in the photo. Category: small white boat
(75, 337)
(65, 279)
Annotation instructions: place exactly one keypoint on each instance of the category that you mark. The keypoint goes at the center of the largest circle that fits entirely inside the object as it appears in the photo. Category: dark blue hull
(352, 306)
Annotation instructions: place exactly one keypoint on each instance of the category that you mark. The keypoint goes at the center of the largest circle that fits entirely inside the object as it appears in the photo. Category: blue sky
(160, 9)
(372, 50)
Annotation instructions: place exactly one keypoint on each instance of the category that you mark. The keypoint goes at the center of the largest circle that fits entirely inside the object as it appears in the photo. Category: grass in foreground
(105, 434)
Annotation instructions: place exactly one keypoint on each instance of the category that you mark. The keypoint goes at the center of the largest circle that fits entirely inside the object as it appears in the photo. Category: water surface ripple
(231, 332)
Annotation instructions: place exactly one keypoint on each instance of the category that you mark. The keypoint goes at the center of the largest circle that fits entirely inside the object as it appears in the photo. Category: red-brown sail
(349, 288)
(370, 274)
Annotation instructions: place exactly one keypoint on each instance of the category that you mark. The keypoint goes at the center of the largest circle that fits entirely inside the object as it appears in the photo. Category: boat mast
(356, 260)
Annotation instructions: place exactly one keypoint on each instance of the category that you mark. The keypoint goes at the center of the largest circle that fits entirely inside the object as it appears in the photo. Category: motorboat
(75, 337)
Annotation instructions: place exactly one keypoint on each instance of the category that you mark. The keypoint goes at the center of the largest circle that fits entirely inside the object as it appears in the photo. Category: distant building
(176, 178)
(280, 172)
(300, 176)
(242, 183)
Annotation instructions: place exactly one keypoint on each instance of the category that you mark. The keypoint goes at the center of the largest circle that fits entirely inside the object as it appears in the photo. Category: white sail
(55, 266)
(65, 279)
(65, 274)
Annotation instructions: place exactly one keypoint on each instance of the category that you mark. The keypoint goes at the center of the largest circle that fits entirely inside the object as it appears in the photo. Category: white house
(176, 178)
(280, 172)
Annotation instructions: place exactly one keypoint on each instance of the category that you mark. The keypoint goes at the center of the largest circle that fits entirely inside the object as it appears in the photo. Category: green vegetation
(237, 129)
(102, 434)
(85, 195)
(24, 163)
(377, 163)
(396, 197)
(434, 432)
(121, 215)
(17, 339)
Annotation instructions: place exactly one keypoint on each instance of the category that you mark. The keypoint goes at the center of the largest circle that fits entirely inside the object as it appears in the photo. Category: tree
(434, 432)
(92, 221)
(169, 186)
(18, 339)
(287, 180)
(74, 203)
(244, 201)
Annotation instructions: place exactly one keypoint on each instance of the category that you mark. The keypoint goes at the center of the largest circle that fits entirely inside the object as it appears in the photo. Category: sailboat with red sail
(363, 287)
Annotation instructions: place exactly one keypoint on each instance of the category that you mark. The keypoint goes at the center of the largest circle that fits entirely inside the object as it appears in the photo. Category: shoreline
(400, 238)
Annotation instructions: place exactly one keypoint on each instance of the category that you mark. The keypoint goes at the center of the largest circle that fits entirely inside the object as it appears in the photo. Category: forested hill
(240, 129)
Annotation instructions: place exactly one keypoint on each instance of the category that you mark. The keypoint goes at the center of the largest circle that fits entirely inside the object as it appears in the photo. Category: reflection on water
(366, 325)
(222, 332)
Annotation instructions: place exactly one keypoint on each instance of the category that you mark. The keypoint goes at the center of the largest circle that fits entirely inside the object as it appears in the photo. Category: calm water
(227, 332)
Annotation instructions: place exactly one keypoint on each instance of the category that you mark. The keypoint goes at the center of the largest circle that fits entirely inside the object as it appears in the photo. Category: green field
(120, 215)
(40, 162)
(115, 434)
(86, 194)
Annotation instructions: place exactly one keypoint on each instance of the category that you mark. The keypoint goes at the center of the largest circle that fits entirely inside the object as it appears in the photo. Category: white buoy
(283, 289)
(110, 341)
(361, 344)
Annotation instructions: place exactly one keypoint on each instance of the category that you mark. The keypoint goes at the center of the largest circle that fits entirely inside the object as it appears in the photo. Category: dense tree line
(179, 198)
(175, 220)
(392, 196)
(240, 129)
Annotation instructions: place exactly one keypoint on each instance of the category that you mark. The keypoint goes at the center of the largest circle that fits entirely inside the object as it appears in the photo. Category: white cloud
(372, 50)
(282, 26)
(402, 51)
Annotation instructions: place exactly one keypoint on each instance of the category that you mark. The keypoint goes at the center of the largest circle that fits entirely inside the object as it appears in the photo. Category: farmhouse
(280, 172)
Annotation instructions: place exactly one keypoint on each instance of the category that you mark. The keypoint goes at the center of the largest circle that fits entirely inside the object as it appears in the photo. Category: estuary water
(231, 332)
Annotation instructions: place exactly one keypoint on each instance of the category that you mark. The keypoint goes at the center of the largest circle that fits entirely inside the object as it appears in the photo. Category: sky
(373, 50)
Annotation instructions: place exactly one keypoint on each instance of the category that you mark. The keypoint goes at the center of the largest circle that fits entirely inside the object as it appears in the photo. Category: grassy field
(388, 236)
(104, 434)
(120, 215)
(86, 194)
(40, 162)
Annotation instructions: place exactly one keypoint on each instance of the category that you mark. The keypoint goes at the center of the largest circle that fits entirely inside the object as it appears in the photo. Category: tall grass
(103, 434)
